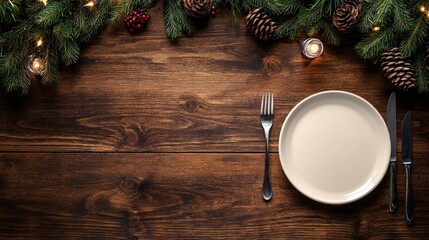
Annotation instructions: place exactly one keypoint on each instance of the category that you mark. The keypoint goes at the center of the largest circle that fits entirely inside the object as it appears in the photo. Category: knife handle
(409, 215)
(392, 188)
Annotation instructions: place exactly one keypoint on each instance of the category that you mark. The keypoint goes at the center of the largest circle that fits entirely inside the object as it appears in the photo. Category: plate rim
(292, 113)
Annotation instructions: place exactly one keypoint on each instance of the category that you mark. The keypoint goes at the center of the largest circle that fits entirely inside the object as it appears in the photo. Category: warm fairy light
(36, 65)
(422, 9)
(45, 2)
(312, 47)
(39, 43)
(376, 28)
(89, 4)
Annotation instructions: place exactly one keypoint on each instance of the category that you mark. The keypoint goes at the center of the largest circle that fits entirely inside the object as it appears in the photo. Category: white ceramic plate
(334, 147)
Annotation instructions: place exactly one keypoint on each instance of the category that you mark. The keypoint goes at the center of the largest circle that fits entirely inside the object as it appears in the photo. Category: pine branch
(88, 22)
(176, 21)
(50, 15)
(291, 7)
(272, 7)
(50, 74)
(233, 6)
(422, 74)
(416, 37)
(67, 44)
(370, 48)
(329, 33)
(401, 17)
(9, 11)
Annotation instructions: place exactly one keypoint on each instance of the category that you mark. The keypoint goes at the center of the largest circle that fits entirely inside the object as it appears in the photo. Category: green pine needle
(422, 74)
(50, 15)
(370, 48)
(9, 11)
(177, 23)
(416, 37)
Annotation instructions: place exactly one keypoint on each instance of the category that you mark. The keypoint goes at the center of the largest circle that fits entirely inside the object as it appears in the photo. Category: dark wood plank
(185, 196)
(145, 93)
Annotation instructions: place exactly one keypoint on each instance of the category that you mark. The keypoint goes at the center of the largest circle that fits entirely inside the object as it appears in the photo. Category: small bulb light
(422, 9)
(376, 28)
(39, 43)
(89, 4)
(36, 65)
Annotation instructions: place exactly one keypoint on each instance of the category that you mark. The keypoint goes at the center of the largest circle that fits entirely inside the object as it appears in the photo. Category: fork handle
(267, 194)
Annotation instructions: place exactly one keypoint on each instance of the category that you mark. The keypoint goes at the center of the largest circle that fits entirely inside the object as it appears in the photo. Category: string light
(36, 65)
(45, 2)
(91, 3)
(39, 42)
(376, 28)
(424, 10)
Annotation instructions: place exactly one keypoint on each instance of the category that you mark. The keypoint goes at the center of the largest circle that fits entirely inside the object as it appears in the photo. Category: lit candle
(311, 47)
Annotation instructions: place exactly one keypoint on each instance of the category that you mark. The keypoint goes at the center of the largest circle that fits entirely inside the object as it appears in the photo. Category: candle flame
(314, 48)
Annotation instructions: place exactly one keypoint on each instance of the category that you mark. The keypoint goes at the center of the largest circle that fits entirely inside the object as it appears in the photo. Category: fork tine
(265, 104)
(272, 104)
(262, 105)
(268, 104)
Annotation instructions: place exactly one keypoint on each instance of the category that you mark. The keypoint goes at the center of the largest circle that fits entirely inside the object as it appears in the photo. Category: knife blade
(407, 152)
(391, 126)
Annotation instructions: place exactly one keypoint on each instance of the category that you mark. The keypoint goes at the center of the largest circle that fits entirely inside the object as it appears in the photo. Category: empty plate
(334, 147)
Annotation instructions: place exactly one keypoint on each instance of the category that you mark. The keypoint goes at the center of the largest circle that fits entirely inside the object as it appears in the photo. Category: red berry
(213, 13)
(213, 8)
(139, 26)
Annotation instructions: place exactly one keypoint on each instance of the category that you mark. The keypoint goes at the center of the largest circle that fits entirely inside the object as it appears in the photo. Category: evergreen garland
(64, 25)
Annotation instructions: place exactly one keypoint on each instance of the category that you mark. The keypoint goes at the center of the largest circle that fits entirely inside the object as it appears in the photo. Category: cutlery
(391, 126)
(267, 116)
(407, 152)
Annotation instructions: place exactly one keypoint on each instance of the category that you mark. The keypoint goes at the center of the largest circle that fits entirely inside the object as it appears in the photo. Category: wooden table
(147, 138)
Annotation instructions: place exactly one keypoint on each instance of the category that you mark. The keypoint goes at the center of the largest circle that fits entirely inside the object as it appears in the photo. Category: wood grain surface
(148, 138)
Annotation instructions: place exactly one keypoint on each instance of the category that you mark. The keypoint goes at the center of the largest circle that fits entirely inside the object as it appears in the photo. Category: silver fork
(267, 116)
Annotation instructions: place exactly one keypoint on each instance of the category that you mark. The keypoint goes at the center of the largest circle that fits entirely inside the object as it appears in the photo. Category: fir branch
(15, 74)
(422, 73)
(233, 6)
(89, 22)
(416, 37)
(370, 48)
(50, 74)
(272, 7)
(329, 33)
(9, 11)
(121, 9)
(67, 44)
(176, 21)
(291, 7)
(401, 17)
(50, 15)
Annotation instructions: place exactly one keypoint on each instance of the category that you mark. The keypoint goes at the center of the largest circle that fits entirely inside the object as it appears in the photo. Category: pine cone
(347, 14)
(260, 24)
(197, 8)
(398, 70)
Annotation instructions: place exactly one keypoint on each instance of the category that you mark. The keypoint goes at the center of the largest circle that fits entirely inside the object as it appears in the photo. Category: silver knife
(407, 153)
(391, 126)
